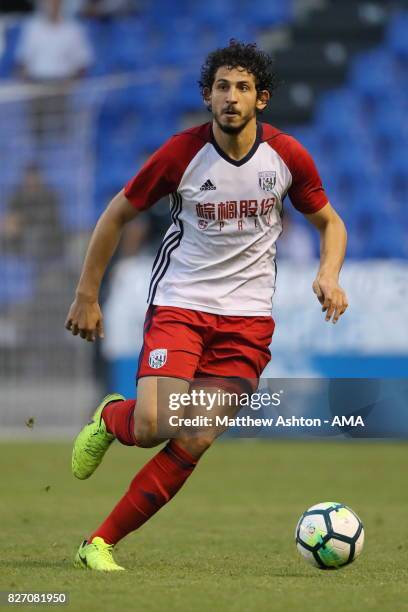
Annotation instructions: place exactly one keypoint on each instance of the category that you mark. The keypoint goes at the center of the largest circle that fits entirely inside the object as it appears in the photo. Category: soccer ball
(329, 535)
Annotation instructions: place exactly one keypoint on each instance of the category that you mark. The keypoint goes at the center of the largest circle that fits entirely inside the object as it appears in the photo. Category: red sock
(156, 483)
(120, 421)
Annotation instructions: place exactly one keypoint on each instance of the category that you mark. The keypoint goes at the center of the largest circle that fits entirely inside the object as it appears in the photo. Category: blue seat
(309, 138)
(397, 38)
(389, 123)
(115, 103)
(99, 34)
(211, 11)
(367, 198)
(8, 57)
(111, 177)
(186, 95)
(352, 168)
(339, 113)
(160, 128)
(359, 151)
(264, 13)
(239, 29)
(124, 105)
(387, 239)
(118, 146)
(373, 72)
(179, 51)
(116, 173)
(131, 44)
(395, 168)
(162, 13)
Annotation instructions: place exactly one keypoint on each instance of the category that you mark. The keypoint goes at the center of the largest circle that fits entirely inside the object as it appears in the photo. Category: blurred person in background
(296, 242)
(32, 242)
(31, 226)
(53, 52)
(124, 310)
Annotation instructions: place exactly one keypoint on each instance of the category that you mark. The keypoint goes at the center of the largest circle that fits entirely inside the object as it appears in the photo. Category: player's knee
(196, 445)
(146, 432)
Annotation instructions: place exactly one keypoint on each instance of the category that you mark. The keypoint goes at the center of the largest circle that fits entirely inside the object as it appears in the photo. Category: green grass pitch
(226, 542)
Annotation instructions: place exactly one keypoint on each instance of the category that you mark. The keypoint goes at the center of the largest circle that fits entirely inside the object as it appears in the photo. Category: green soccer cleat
(96, 556)
(92, 442)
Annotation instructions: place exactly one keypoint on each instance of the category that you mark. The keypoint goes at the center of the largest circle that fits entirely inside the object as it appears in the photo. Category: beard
(231, 129)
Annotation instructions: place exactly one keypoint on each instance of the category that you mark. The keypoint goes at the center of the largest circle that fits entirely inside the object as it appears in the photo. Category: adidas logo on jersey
(207, 186)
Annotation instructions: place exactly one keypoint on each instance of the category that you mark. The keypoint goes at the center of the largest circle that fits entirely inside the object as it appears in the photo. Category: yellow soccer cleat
(96, 556)
(92, 442)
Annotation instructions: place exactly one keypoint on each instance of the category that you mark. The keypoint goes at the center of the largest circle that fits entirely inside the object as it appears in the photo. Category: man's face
(32, 179)
(234, 99)
(52, 9)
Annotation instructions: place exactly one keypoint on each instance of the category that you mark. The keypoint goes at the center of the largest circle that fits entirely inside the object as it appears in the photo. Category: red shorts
(189, 344)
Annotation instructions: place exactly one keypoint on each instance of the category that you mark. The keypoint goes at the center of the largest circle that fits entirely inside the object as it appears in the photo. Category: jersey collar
(251, 152)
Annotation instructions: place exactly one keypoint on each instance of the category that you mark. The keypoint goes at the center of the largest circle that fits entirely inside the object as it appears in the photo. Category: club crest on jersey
(157, 358)
(267, 180)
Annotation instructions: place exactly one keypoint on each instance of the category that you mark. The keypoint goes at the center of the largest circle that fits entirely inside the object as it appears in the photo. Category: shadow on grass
(290, 575)
(35, 563)
(66, 564)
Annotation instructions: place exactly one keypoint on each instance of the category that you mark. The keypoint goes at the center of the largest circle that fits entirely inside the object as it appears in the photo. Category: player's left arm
(333, 240)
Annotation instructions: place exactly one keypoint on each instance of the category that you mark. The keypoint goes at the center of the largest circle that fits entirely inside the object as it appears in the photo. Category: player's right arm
(85, 316)
(158, 177)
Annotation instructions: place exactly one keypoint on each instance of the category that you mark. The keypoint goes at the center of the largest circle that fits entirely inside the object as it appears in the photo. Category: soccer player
(209, 314)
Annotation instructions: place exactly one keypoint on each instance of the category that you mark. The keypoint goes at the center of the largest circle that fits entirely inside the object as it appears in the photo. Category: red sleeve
(163, 171)
(306, 191)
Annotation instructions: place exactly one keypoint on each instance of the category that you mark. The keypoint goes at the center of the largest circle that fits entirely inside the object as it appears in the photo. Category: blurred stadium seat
(7, 58)
(397, 39)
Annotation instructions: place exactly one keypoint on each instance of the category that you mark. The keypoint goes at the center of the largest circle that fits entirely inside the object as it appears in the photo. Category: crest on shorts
(157, 358)
(267, 180)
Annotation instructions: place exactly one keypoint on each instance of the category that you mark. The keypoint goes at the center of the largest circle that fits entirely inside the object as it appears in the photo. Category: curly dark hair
(248, 56)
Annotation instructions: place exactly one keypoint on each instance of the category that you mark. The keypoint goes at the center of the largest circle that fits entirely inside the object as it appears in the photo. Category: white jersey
(218, 255)
(53, 50)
